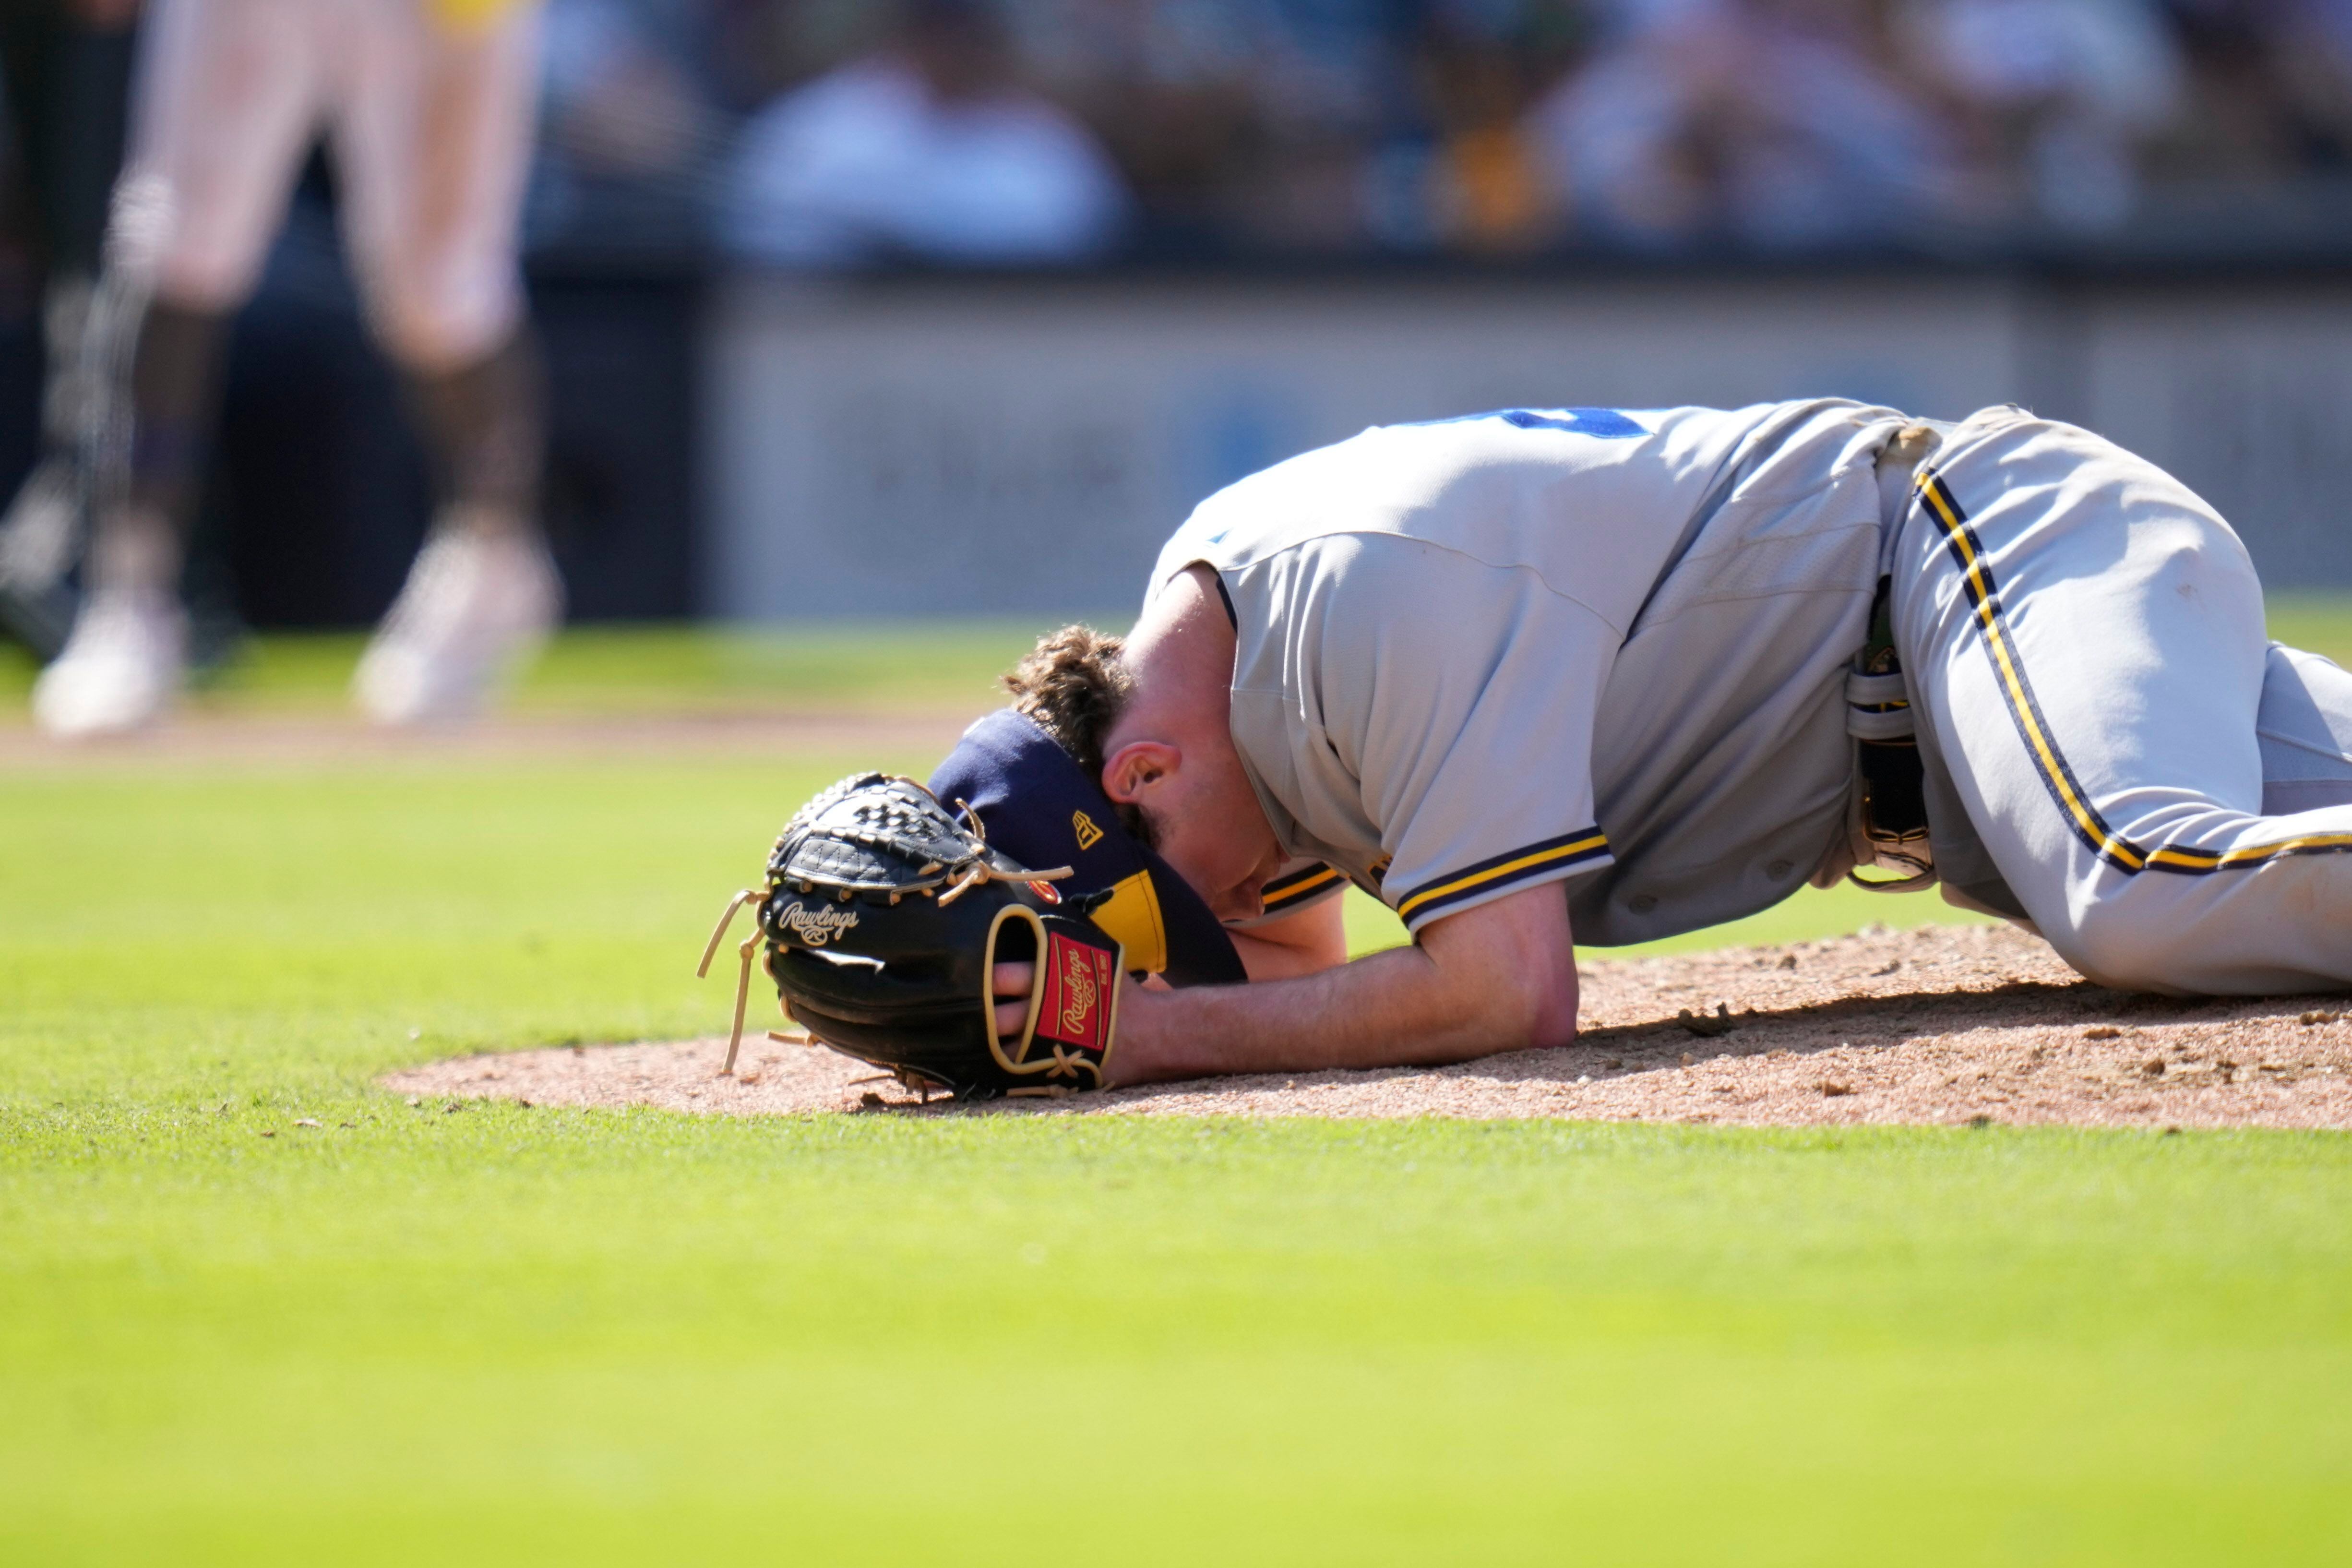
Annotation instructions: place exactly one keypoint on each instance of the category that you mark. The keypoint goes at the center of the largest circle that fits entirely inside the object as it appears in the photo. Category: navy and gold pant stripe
(2057, 775)
(1288, 892)
(1503, 870)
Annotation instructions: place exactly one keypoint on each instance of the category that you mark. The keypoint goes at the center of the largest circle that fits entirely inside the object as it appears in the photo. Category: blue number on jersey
(1607, 424)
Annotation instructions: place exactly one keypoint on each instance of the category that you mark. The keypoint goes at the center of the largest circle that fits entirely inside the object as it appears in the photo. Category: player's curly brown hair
(1073, 684)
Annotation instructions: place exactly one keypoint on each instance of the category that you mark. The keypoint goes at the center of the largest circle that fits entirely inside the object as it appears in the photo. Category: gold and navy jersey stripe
(1289, 893)
(1503, 871)
(2073, 802)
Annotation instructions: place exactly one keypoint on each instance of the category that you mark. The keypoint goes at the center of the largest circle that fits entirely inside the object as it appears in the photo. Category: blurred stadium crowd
(1019, 132)
(831, 132)
(213, 426)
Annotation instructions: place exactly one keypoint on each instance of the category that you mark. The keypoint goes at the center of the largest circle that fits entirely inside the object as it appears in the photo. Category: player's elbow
(1512, 964)
(1539, 1014)
(1555, 1024)
(1513, 1009)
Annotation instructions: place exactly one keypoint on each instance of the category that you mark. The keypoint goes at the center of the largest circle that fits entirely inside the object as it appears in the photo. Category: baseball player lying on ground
(1541, 675)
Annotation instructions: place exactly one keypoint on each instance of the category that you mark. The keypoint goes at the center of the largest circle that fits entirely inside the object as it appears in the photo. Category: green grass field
(412, 1334)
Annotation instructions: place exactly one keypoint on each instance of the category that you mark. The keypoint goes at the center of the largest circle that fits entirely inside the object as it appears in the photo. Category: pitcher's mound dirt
(1938, 1024)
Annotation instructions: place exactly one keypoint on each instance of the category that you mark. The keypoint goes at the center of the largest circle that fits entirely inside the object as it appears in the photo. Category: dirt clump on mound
(1940, 1024)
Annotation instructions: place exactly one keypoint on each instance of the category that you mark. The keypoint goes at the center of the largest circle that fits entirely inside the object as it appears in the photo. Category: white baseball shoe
(476, 604)
(38, 538)
(120, 668)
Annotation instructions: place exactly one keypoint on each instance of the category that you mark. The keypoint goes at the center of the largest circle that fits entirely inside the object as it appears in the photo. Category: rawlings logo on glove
(814, 926)
(1078, 978)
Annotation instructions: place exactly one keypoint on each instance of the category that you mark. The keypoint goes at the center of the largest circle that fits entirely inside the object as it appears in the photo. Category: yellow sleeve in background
(472, 16)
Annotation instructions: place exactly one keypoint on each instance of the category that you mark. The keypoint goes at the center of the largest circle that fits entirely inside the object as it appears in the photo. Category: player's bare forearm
(1386, 1010)
(1499, 977)
(1313, 939)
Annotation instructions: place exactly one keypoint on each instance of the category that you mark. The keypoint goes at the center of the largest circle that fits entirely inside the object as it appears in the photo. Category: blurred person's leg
(226, 98)
(67, 66)
(434, 141)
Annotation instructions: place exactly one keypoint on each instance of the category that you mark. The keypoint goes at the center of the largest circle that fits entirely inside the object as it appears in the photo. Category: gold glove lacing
(742, 980)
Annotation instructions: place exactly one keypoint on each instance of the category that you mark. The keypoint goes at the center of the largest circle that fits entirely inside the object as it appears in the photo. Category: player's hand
(1013, 980)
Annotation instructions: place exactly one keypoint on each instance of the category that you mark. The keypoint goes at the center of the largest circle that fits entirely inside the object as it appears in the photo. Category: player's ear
(1134, 771)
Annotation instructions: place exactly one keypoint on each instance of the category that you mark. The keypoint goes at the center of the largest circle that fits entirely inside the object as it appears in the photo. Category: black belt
(1891, 779)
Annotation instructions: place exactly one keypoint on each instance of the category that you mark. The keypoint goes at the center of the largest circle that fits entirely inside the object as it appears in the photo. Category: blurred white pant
(2164, 790)
(430, 124)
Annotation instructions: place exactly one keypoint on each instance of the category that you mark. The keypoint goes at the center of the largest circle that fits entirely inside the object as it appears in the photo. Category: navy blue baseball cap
(1038, 807)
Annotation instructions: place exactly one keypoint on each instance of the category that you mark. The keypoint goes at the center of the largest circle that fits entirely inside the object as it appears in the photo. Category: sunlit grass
(924, 666)
(506, 1333)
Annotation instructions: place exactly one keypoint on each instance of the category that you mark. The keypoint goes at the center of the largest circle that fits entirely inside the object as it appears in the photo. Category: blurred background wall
(962, 305)
(1026, 446)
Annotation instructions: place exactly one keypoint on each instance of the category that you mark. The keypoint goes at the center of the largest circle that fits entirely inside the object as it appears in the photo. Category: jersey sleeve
(1302, 884)
(1461, 696)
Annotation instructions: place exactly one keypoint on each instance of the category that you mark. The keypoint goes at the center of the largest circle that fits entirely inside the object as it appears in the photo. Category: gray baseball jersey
(1485, 653)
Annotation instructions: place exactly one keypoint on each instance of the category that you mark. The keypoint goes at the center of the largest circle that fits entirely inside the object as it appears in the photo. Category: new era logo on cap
(1041, 809)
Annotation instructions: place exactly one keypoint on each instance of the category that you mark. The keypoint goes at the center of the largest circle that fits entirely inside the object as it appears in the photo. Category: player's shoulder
(1412, 465)
(1381, 457)
(1469, 477)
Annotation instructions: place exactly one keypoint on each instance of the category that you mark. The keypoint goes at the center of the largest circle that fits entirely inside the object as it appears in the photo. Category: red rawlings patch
(1078, 980)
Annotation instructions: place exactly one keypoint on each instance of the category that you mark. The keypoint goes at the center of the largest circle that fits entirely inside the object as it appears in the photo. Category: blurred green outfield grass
(821, 668)
(511, 1333)
(817, 666)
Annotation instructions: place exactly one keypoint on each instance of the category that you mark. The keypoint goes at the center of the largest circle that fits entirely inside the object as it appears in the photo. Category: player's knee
(438, 327)
(200, 260)
(208, 272)
(2125, 942)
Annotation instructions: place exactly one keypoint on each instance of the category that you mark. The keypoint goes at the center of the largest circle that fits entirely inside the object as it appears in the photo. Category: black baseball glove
(883, 916)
